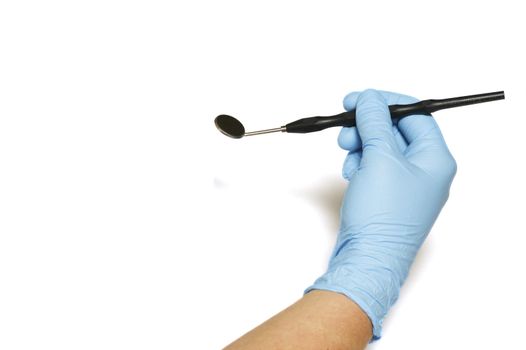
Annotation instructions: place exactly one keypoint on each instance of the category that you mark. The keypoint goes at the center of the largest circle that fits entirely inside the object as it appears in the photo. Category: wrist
(369, 274)
(374, 298)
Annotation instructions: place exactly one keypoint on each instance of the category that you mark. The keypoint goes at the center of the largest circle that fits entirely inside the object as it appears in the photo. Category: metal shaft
(266, 131)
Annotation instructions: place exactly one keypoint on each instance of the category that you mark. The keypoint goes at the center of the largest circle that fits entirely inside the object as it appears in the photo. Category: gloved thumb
(373, 121)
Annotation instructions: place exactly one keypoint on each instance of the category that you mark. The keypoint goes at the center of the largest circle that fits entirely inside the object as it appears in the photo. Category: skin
(319, 320)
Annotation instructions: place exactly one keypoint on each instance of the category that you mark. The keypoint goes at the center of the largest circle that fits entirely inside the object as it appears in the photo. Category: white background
(128, 222)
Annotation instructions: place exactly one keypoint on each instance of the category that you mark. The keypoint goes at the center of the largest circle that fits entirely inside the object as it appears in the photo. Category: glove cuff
(351, 282)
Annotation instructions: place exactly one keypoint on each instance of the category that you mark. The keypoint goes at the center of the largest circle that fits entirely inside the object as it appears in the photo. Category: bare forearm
(319, 320)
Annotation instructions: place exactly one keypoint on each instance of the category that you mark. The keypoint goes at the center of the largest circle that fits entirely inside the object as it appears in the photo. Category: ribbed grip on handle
(319, 123)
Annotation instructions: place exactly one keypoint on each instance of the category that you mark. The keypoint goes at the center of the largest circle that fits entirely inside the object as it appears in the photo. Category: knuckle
(371, 107)
(447, 168)
(369, 93)
(349, 101)
(370, 102)
(451, 167)
(348, 139)
(380, 144)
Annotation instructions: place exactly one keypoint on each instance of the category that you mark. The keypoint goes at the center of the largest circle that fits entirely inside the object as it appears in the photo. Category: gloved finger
(351, 164)
(392, 98)
(427, 148)
(349, 101)
(411, 126)
(418, 126)
(424, 143)
(400, 139)
(349, 139)
(374, 124)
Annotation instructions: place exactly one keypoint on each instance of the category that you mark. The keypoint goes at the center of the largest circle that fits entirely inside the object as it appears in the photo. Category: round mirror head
(230, 126)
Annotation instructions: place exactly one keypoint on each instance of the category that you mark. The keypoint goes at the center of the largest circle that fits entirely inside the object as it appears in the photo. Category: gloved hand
(399, 179)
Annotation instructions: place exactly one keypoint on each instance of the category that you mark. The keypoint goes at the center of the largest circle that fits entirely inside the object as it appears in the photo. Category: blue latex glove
(399, 179)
